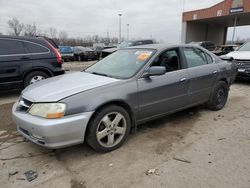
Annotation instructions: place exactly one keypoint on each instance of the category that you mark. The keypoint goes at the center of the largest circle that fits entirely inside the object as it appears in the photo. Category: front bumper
(243, 74)
(52, 133)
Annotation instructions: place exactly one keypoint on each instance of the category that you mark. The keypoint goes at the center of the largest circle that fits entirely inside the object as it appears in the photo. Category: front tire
(219, 96)
(35, 76)
(108, 129)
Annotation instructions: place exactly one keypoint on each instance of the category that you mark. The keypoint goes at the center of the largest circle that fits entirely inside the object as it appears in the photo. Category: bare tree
(52, 32)
(30, 30)
(63, 37)
(15, 26)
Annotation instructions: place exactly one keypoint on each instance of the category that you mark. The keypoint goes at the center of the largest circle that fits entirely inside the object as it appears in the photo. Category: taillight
(58, 55)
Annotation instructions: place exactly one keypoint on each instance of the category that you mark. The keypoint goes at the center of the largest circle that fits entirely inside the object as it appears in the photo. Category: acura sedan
(131, 86)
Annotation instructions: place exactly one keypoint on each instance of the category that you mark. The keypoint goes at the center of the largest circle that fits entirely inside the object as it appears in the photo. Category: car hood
(240, 55)
(60, 87)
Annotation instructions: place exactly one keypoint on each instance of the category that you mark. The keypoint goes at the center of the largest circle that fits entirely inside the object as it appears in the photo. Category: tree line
(18, 28)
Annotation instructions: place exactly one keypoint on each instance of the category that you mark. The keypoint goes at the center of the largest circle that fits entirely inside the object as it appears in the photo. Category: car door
(159, 95)
(203, 72)
(13, 57)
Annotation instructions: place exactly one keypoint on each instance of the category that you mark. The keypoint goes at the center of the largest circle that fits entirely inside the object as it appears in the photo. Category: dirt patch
(77, 184)
(7, 126)
(170, 129)
(237, 98)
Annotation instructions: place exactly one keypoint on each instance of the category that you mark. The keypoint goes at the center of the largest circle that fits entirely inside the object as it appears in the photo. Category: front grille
(242, 63)
(23, 105)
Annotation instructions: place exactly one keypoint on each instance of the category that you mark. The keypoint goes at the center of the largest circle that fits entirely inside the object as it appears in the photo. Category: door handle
(215, 72)
(183, 80)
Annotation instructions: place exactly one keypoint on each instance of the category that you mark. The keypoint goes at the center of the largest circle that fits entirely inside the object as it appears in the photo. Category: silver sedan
(131, 86)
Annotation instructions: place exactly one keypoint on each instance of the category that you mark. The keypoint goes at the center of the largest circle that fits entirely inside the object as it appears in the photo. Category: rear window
(11, 47)
(36, 48)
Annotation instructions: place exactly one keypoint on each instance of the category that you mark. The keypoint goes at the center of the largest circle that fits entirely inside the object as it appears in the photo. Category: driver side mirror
(154, 71)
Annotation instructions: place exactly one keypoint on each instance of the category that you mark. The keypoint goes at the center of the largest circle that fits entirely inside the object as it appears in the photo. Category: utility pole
(120, 28)
(127, 32)
(235, 24)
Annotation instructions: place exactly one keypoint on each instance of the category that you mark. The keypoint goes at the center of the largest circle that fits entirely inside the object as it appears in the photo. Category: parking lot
(192, 148)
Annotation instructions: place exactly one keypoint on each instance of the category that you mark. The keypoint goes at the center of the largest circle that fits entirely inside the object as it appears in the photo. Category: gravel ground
(192, 148)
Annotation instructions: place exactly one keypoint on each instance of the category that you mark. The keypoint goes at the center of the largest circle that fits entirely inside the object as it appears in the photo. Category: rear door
(13, 60)
(203, 72)
(159, 95)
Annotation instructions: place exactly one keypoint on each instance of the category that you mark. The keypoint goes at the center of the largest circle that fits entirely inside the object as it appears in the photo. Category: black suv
(25, 60)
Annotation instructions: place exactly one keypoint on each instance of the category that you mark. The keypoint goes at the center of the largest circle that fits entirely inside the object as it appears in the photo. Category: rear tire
(108, 129)
(35, 76)
(79, 58)
(219, 96)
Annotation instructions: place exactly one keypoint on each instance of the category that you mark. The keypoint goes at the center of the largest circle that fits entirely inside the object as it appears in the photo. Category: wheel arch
(37, 69)
(225, 80)
(120, 103)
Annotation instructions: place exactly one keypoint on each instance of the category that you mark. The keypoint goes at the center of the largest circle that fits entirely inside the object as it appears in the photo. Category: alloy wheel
(111, 129)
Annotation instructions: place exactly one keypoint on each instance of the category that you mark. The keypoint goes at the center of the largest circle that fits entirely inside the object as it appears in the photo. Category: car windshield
(121, 64)
(245, 47)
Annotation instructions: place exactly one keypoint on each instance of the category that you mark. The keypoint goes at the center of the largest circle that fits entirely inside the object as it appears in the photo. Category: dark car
(99, 50)
(25, 60)
(125, 44)
(84, 53)
(127, 88)
(225, 49)
(67, 53)
(205, 44)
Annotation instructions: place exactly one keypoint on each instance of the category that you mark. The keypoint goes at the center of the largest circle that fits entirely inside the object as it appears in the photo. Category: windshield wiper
(100, 74)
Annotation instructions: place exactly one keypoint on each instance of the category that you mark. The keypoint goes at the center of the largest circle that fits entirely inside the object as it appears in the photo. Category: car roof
(160, 46)
(20, 37)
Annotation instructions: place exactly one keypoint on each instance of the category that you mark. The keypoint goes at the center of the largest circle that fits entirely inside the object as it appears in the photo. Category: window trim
(205, 53)
(177, 49)
(23, 41)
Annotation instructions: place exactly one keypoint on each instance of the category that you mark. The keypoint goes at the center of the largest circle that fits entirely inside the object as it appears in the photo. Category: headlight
(48, 110)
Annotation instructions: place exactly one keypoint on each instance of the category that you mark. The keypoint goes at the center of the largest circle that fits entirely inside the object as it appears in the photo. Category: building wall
(202, 32)
(218, 10)
(198, 25)
(195, 32)
(216, 34)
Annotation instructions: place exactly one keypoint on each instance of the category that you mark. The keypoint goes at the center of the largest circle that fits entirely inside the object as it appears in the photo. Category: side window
(35, 48)
(169, 59)
(194, 57)
(11, 47)
(209, 59)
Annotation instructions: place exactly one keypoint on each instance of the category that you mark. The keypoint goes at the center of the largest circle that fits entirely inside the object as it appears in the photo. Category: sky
(159, 19)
